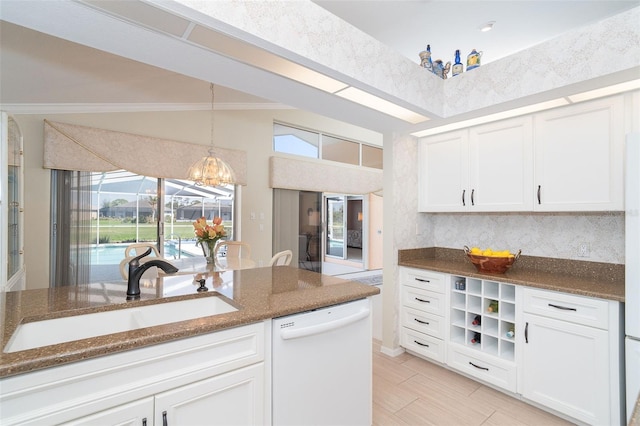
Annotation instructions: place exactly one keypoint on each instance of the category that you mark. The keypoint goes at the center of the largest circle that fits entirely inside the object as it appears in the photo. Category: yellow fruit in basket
(487, 252)
(476, 251)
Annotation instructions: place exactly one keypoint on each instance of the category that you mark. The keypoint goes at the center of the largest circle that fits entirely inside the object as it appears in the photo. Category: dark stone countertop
(259, 294)
(593, 279)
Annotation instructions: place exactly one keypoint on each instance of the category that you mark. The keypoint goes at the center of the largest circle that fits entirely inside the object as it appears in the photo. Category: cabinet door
(137, 413)
(566, 368)
(501, 166)
(579, 157)
(234, 398)
(443, 170)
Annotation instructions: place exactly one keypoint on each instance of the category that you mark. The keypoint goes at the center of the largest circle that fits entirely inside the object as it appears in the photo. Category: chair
(234, 250)
(150, 274)
(137, 249)
(282, 258)
(237, 255)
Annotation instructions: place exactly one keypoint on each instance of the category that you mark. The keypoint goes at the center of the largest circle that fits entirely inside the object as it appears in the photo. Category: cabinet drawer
(567, 307)
(422, 344)
(476, 364)
(425, 280)
(422, 300)
(423, 322)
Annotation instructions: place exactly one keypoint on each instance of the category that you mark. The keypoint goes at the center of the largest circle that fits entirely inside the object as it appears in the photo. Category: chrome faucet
(136, 269)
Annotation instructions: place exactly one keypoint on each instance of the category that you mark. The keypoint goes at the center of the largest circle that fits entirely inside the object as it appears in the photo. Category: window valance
(287, 173)
(73, 147)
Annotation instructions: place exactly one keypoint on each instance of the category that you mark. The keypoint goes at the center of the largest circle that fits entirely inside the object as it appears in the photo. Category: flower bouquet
(208, 235)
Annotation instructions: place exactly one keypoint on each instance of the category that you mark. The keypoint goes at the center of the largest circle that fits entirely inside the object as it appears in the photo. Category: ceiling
(408, 26)
(39, 69)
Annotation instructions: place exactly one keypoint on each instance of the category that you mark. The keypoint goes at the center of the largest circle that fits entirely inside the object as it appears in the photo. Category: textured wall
(554, 235)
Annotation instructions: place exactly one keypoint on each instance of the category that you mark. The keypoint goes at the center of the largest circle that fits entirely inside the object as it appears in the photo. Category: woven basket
(491, 265)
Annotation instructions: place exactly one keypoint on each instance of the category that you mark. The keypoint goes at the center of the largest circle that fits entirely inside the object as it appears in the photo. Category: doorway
(344, 232)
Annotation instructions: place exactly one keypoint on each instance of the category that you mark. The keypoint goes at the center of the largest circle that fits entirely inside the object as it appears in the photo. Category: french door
(336, 225)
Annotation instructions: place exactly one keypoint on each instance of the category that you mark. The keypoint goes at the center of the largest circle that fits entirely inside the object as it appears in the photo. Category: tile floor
(408, 390)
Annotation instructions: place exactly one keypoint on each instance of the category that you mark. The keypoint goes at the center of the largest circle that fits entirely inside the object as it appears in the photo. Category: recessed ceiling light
(487, 27)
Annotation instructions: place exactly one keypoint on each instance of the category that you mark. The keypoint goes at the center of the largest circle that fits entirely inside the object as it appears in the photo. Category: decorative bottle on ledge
(457, 68)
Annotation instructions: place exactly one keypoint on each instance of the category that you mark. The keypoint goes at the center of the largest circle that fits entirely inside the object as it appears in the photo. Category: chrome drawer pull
(421, 322)
(421, 344)
(422, 300)
(422, 280)
(564, 308)
(478, 367)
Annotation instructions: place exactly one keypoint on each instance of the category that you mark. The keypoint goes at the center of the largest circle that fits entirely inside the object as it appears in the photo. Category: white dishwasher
(322, 366)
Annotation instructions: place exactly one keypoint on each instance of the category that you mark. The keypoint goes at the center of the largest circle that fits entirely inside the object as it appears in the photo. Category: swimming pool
(112, 254)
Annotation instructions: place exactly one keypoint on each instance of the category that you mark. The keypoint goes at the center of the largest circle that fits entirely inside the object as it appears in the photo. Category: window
(124, 208)
(340, 150)
(295, 141)
(307, 143)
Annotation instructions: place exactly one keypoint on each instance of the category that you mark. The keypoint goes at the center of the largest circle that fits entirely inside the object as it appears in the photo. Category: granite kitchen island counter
(258, 294)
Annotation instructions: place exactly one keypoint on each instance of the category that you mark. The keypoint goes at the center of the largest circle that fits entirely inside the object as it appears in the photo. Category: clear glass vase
(208, 247)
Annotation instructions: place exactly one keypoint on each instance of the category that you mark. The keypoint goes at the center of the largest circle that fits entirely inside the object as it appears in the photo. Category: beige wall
(246, 130)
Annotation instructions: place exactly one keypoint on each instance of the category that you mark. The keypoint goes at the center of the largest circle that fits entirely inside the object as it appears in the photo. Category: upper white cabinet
(443, 172)
(500, 165)
(484, 168)
(565, 159)
(579, 157)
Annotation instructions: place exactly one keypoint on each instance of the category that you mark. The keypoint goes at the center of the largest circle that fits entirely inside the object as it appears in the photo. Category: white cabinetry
(218, 378)
(137, 413)
(483, 324)
(571, 355)
(443, 168)
(579, 156)
(484, 168)
(564, 159)
(423, 312)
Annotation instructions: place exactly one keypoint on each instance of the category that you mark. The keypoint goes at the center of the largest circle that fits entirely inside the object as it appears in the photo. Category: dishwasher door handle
(294, 333)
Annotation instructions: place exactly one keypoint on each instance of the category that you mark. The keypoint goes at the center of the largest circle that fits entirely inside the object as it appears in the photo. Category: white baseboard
(392, 352)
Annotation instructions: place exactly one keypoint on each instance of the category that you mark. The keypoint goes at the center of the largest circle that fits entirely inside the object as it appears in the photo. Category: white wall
(251, 131)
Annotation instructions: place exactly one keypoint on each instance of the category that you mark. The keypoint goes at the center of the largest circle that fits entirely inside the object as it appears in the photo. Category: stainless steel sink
(59, 330)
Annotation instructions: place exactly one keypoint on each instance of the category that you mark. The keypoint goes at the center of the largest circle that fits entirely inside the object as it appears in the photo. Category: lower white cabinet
(221, 400)
(132, 414)
(557, 350)
(214, 379)
(482, 330)
(423, 312)
(571, 355)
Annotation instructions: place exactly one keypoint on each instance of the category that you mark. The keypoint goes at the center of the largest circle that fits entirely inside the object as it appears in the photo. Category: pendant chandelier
(211, 170)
